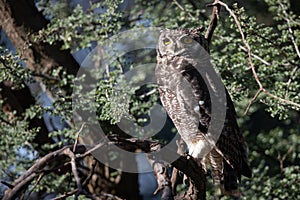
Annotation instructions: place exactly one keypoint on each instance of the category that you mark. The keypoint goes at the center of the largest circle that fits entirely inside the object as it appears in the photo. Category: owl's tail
(226, 180)
(230, 180)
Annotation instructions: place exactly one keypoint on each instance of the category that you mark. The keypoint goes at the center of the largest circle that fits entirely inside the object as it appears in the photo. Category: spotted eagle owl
(184, 93)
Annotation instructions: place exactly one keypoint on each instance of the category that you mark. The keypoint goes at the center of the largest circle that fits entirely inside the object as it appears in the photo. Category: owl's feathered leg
(224, 177)
(215, 160)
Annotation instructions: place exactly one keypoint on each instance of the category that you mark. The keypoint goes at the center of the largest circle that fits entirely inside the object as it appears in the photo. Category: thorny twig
(290, 30)
(261, 88)
(77, 136)
(281, 159)
(290, 80)
(182, 8)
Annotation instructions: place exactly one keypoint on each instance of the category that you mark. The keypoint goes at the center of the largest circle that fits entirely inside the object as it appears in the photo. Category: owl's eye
(166, 41)
(187, 40)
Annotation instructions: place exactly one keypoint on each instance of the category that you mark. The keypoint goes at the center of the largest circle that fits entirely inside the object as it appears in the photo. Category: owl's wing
(185, 122)
(231, 143)
(186, 98)
(177, 94)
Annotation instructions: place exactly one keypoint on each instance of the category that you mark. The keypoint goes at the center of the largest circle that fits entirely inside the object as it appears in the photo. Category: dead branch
(163, 180)
(252, 100)
(182, 8)
(185, 165)
(213, 20)
(25, 179)
(189, 167)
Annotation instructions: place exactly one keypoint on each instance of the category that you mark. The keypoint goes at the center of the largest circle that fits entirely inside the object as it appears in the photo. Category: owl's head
(181, 42)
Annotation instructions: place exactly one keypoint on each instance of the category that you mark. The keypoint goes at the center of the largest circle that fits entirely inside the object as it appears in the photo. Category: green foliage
(16, 136)
(274, 57)
(274, 142)
(12, 69)
(161, 13)
(79, 29)
(113, 97)
(15, 131)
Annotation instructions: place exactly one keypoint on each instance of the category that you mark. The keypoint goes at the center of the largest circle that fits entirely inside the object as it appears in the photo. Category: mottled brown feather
(228, 159)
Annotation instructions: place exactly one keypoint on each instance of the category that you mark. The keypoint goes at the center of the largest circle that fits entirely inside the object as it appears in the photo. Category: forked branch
(261, 89)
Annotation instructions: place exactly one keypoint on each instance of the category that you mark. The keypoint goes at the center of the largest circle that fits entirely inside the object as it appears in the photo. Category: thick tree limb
(163, 180)
(185, 165)
(25, 179)
(20, 19)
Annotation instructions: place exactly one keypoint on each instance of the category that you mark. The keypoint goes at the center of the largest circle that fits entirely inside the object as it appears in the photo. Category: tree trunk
(20, 20)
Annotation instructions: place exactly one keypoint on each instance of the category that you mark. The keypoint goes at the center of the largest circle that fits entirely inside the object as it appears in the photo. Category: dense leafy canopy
(271, 126)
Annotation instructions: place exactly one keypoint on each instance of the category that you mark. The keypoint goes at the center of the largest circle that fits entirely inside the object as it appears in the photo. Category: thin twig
(100, 144)
(256, 56)
(88, 178)
(66, 195)
(36, 183)
(290, 30)
(290, 81)
(148, 93)
(77, 137)
(284, 101)
(283, 158)
(74, 171)
(182, 8)
(252, 101)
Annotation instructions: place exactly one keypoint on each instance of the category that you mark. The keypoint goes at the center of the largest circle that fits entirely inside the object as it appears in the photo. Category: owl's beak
(173, 51)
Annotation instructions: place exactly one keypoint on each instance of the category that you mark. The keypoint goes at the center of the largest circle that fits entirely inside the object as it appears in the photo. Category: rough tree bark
(187, 166)
(20, 19)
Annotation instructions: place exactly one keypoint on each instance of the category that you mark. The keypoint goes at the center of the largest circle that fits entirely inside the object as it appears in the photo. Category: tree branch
(213, 20)
(185, 165)
(182, 8)
(163, 180)
(252, 101)
(261, 88)
(286, 18)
